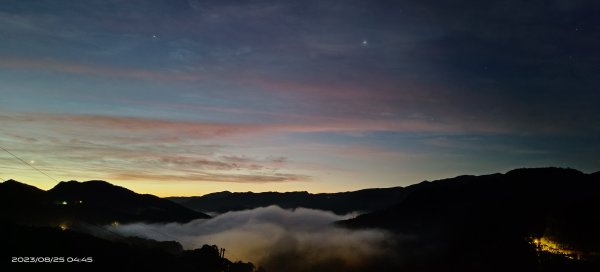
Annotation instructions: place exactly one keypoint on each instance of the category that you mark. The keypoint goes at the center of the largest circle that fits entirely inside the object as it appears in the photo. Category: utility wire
(28, 164)
(95, 225)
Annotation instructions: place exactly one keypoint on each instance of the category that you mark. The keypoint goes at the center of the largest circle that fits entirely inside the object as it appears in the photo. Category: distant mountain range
(501, 221)
(96, 202)
(466, 223)
(341, 203)
(543, 219)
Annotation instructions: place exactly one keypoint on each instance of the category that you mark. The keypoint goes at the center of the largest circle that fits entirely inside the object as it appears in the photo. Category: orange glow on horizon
(171, 188)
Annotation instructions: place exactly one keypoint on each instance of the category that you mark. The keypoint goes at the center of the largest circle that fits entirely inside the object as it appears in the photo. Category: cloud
(134, 149)
(198, 162)
(373, 103)
(278, 239)
(213, 177)
(128, 129)
(140, 149)
(131, 129)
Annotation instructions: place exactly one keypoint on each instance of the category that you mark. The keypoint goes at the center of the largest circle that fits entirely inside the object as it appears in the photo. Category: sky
(176, 97)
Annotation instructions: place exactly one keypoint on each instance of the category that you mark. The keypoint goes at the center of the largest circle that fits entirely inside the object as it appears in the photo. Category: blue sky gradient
(191, 97)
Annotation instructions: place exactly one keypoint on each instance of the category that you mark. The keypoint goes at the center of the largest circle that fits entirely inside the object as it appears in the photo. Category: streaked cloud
(288, 94)
(182, 176)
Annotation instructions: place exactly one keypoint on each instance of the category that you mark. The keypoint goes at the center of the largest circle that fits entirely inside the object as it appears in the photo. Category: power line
(28, 164)
(95, 225)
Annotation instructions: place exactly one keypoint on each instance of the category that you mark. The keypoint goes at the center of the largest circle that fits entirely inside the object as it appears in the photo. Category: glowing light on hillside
(545, 244)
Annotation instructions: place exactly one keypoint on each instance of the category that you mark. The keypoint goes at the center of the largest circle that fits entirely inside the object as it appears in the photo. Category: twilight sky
(176, 97)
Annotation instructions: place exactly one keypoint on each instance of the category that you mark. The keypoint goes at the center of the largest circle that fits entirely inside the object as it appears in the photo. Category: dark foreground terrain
(525, 220)
(66, 225)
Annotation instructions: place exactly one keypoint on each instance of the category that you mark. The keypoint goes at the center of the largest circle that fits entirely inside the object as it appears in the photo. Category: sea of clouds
(278, 239)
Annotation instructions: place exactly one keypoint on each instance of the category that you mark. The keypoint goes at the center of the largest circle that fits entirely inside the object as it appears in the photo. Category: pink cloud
(373, 88)
(277, 177)
(373, 97)
(129, 128)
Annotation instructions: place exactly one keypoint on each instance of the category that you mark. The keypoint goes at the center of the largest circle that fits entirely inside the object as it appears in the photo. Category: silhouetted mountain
(340, 203)
(543, 219)
(491, 222)
(95, 202)
(65, 222)
(14, 192)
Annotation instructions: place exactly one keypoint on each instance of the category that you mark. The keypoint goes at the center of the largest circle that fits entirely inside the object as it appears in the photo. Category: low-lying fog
(278, 239)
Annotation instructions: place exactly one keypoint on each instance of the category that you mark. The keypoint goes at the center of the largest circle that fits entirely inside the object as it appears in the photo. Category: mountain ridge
(534, 219)
(341, 203)
(96, 202)
(497, 217)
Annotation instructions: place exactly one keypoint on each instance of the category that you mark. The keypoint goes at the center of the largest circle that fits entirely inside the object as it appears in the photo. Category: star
(365, 43)
(154, 36)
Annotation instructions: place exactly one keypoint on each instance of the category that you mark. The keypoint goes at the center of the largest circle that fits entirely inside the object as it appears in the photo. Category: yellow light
(546, 244)
(64, 203)
(115, 224)
(63, 226)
